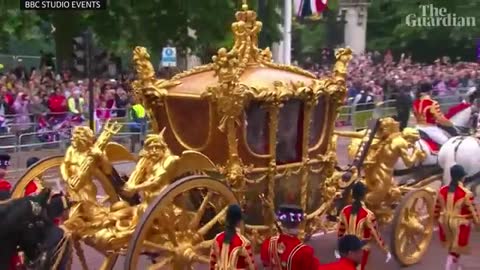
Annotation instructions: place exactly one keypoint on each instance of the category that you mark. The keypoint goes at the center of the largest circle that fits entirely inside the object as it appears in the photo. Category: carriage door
(289, 133)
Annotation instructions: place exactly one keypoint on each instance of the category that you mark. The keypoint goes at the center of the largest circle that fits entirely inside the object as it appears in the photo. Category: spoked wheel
(175, 231)
(413, 226)
(42, 171)
(47, 170)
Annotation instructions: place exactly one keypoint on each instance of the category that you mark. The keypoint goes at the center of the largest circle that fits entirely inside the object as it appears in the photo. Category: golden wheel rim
(413, 227)
(36, 171)
(43, 167)
(175, 232)
(51, 163)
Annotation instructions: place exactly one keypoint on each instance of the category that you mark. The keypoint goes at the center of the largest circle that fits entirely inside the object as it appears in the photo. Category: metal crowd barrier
(348, 116)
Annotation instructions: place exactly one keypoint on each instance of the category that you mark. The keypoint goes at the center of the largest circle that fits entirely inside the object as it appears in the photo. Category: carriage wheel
(50, 168)
(412, 227)
(174, 232)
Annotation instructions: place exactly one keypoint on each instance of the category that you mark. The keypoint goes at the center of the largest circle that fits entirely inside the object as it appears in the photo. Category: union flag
(309, 8)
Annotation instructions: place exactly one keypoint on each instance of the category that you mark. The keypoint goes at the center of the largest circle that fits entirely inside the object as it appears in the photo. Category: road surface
(324, 245)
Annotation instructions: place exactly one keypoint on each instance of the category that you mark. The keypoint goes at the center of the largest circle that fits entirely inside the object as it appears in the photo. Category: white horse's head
(461, 114)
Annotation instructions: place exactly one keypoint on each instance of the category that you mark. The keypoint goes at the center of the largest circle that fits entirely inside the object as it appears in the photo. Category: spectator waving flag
(308, 8)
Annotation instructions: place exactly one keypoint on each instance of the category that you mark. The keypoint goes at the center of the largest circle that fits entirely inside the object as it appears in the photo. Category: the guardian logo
(431, 16)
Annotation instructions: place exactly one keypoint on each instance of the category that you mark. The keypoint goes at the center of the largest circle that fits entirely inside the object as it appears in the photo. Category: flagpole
(287, 32)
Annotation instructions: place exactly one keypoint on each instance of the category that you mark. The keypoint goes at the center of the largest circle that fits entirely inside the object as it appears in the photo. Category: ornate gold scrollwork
(147, 89)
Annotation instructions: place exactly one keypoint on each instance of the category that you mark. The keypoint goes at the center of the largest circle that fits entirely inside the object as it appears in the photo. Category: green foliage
(269, 12)
(150, 23)
(312, 37)
(333, 4)
(387, 29)
(15, 23)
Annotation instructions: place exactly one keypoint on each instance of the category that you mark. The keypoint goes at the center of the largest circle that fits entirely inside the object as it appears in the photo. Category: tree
(126, 23)
(17, 23)
(214, 32)
(387, 29)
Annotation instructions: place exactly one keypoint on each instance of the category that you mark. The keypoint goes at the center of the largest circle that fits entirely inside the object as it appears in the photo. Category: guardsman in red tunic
(455, 211)
(357, 219)
(350, 248)
(231, 250)
(5, 186)
(428, 115)
(285, 251)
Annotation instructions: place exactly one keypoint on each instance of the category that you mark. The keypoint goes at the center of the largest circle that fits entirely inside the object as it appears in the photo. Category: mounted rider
(430, 120)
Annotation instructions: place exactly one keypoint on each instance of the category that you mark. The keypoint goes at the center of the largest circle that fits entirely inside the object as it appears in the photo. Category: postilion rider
(455, 211)
(429, 118)
(286, 251)
(230, 249)
(357, 219)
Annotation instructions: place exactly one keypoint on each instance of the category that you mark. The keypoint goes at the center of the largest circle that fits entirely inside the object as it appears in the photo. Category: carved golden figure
(388, 146)
(79, 162)
(151, 174)
(88, 218)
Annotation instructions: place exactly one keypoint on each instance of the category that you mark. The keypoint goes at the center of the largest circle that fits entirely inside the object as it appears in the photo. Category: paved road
(325, 244)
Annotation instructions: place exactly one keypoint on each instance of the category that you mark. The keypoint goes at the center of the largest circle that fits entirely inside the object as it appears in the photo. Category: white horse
(463, 150)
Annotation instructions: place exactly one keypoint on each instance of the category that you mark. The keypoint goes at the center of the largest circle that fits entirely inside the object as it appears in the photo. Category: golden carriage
(239, 130)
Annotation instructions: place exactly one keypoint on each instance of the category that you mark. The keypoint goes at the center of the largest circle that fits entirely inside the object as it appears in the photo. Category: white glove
(389, 257)
(337, 255)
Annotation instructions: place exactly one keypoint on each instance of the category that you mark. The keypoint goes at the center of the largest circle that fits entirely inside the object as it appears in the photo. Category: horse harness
(459, 142)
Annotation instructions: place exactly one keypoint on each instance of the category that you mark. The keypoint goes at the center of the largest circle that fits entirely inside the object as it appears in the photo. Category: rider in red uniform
(357, 219)
(285, 251)
(428, 115)
(230, 249)
(455, 211)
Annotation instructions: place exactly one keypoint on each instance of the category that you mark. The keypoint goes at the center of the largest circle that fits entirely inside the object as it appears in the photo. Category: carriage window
(317, 122)
(289, 132)
(257, 127)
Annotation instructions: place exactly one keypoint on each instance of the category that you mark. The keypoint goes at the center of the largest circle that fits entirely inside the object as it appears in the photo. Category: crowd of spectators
(26, 95)
(376, 77)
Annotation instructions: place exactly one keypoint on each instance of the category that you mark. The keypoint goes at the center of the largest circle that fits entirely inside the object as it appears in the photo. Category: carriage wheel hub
(185, 252)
